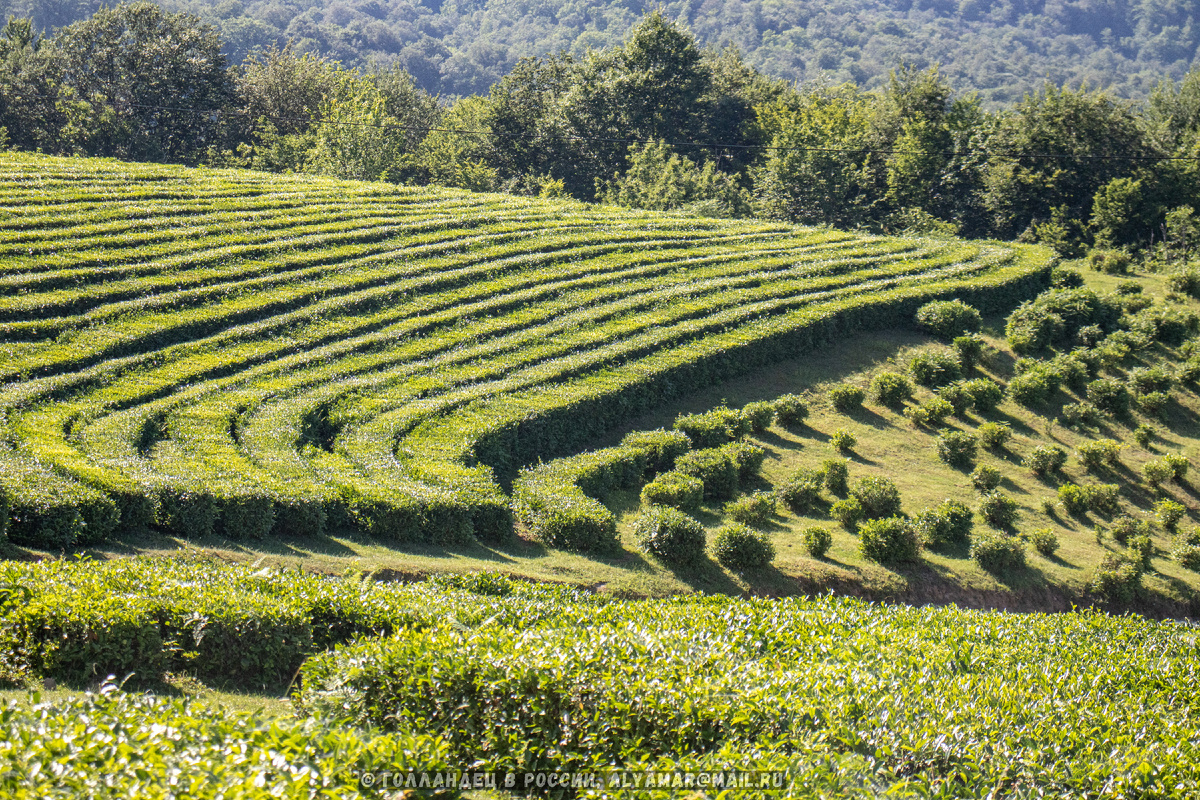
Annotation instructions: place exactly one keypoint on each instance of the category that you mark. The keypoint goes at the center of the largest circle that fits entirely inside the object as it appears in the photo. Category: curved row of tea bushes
(559, 502)
(228, 625)
(379, 357)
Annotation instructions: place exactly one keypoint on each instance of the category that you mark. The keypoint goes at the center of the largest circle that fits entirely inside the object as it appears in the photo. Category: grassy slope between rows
(246, 354)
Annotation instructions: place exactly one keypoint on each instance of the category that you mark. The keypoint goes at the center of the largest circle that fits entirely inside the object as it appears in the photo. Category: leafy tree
(282, 92)
(661, 180)
(734, 92)
(455, 155)
(815, 172)
(1053, 153)
(933, 141)
(286, 88)
(27, 88)
(141, 84)
(658, 79)
(1122, 214)
(575, 120)
(361, 140)
(527, 136)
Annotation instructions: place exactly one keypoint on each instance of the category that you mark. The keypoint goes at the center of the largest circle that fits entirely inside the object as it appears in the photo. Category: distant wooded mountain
(1002, 48)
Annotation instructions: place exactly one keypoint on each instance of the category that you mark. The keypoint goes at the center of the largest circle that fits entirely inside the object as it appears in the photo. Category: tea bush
(877, 496)
(997, 552)
(741, 548)
(890, 540)
(956, 448)
(890, 389)
(753, 510)
(846, 397)
(817, 540)
(790, 410)
(674, 489)
(670, 535)
(998, 510)
(948, 318)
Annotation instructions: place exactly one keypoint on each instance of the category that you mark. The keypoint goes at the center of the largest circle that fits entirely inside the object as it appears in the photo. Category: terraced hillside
(256, 353)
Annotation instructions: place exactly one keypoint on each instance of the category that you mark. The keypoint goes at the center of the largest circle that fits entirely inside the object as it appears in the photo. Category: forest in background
(656, 122)
(1000, 48)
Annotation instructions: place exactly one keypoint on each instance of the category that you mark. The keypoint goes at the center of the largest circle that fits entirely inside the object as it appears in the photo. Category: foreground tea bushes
(939, 701)
(227, 625)
(115, 745)
(482, 672)
(219, 352)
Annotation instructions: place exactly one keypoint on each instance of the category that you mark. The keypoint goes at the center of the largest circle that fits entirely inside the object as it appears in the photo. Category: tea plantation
(262, 355)
(300, 371)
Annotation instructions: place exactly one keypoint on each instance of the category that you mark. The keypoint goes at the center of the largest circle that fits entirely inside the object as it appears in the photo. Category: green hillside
(258, 355)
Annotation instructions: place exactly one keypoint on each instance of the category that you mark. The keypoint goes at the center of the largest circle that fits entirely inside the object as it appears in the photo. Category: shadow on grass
(1058, 561)
(704, 576)
(1181, 588)
(772, 439)
(1006, 455)
(1018, 578)
(1015, 424)
(868, 416)
(12, 552)
(1011, 486)
(857, 458)
(958, 550)
(770, 582)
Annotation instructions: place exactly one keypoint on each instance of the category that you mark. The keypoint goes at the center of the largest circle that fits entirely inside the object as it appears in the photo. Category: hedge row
(228, 625)
(393, 365)
(660, 682)
(558, 501)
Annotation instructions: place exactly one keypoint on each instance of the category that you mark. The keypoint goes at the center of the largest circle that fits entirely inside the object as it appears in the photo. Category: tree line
(656, 122)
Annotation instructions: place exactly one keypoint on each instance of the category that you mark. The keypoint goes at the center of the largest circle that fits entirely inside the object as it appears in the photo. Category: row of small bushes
(47, 511)
(680, 540)
(75, 514)
(229, 625)
(559, 502)
(664, 530)
(572, 420)
(720, 425)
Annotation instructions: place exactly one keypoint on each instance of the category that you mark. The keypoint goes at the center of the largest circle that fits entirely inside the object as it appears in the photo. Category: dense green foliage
(232, 626)
(1099, 697)
(740, 548)
(112, 745)
(878, 496)
(870, 691)
(1003, 50)
(278, 355)
(892, 540)
(947, 524)
(998, 552)
(669, 534)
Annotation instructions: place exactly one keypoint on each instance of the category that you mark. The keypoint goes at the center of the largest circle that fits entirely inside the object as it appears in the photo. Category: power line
(1015, 155)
